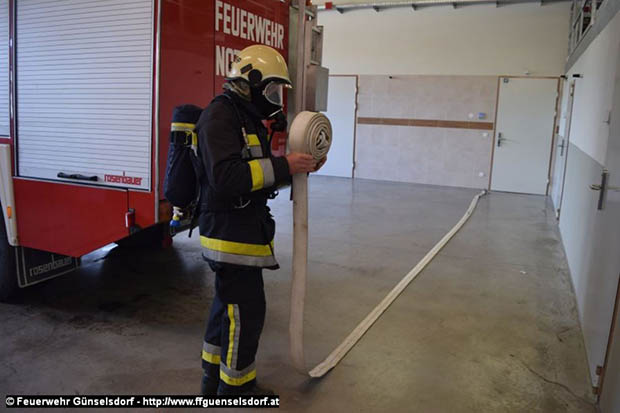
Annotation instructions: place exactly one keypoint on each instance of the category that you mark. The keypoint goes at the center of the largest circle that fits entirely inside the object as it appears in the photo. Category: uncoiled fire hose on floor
(311, 133)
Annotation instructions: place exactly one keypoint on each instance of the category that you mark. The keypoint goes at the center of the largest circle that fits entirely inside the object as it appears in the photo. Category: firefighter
(236, 227)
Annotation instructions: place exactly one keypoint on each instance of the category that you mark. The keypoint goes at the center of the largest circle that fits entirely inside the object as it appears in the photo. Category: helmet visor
(274, 93)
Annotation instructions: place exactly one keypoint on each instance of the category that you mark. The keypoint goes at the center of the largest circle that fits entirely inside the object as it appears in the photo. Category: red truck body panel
(66, 218)
(187, 64)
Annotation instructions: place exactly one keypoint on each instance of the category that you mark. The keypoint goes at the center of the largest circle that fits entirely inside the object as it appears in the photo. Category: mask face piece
(268, 99)
(274, 93)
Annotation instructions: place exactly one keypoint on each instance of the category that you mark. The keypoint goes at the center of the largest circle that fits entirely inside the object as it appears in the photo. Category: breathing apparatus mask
(268, 98)
(265, 71)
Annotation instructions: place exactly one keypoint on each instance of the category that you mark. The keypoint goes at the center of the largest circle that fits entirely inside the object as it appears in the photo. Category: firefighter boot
(254, 390)
(209, 386)
(257, 390)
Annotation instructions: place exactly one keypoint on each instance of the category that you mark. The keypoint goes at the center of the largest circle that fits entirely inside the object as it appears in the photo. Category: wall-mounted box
(317, 83)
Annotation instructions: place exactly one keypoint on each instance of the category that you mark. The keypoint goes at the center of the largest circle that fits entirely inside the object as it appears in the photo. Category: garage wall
(426, 129)
(472, 40)
(586, 157)
(593, 94)
(588, 145)
(444, 64)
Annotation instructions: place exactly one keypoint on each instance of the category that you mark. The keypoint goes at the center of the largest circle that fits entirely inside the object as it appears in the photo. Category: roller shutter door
(4, 67)
(84, 90)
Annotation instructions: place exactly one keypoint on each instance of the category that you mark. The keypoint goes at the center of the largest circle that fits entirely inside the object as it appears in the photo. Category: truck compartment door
(84, 91)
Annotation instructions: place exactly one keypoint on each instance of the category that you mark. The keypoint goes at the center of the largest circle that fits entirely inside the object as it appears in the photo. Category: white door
(561, 151)
(523, 135)
(84, 91)
(604, 269)
(341, 105)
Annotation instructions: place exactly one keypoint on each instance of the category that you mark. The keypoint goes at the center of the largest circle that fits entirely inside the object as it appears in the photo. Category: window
(583, 16)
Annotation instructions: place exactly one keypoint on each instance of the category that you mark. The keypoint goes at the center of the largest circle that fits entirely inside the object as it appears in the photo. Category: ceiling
(343, 5)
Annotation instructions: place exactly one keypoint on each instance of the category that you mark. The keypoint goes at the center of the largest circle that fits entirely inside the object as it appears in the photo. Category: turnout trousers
(234, 327)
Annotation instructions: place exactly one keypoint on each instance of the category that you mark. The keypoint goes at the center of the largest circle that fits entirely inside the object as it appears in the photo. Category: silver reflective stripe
(256, 151)
(252, 152)
(250, 261)
(211, 349)
(269, 177)
(237, 374)
(235, 348)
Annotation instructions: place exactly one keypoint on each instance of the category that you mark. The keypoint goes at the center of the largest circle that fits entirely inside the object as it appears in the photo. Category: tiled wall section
(438, 156)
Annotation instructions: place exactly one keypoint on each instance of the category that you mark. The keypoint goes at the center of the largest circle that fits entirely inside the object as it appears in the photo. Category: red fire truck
(85, 107)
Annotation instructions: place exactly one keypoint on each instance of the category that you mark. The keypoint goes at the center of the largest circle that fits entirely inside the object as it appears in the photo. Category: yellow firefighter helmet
(259, 65)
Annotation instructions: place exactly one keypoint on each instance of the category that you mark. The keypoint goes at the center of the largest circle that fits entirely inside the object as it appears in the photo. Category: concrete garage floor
(489, 326)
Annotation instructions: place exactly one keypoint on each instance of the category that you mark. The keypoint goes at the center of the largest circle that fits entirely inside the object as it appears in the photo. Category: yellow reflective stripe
(188, 128)
(238, 248)
(183, 126)
(231, 334)
(211, 358)
(233, 381)
(253, 140)
(258, 178)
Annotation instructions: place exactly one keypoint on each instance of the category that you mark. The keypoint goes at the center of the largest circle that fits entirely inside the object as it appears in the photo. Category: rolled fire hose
(311, 133)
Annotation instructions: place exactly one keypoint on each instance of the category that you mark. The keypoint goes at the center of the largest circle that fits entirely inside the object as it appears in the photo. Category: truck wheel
(156, 236)
(8, 270)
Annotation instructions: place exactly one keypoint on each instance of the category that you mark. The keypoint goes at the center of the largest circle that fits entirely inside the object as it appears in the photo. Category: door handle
(500, 139)
(603, 187)
(80, 177)
(561, 146)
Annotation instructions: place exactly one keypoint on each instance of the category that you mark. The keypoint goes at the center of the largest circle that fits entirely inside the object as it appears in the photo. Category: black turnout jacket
(236, 227)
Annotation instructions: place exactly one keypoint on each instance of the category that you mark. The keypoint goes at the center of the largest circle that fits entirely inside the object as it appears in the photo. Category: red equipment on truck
(85, 107)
